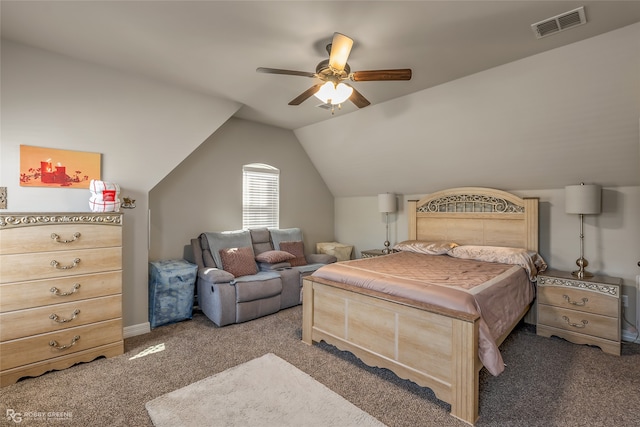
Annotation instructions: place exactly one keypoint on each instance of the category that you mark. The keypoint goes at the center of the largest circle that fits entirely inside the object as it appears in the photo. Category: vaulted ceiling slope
(482, 83)
(215, 46)
(553, 119)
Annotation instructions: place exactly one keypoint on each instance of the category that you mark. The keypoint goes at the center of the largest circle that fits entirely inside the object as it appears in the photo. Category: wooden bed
(434, 347)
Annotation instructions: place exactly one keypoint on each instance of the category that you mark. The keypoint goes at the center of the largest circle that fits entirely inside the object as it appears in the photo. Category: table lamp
(583, 199)
(387, 205)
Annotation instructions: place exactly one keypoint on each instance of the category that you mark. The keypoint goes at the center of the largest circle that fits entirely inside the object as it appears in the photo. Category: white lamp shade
(583, 199)
(387, 202)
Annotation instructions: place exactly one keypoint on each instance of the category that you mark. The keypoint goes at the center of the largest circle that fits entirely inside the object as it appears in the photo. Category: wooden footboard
(431, 346)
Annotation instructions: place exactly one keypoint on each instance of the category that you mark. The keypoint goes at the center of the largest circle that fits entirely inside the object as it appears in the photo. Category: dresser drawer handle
(54, 343)
(57, 265)
(56, 238)
(56, 318)
(584, 301)
(575, 325)
(57, 292)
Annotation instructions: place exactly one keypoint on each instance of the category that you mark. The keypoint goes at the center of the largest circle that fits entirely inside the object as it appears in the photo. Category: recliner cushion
(252, 290)
(284, 235)
(224, 240)
(261, 240)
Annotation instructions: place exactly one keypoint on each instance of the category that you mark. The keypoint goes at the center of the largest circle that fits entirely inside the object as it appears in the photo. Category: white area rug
(264, 392)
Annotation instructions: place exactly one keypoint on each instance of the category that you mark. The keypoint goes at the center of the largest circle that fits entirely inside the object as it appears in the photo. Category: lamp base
(581, 273)
(386, 249)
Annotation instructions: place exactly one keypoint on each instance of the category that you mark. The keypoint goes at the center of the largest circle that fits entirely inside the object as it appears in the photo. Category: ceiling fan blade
(340, 50)
(377, 75)
(359, 100)
(287, 72)
(305, 95)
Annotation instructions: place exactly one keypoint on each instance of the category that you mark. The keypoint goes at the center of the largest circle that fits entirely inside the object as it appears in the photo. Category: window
(260, 196)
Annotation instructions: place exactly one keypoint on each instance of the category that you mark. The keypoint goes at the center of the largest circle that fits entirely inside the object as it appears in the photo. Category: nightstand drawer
(579, 322)
(578, 299)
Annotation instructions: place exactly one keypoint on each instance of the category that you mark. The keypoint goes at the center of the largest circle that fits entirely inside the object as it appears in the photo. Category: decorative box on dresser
(583, 311)
(60, 291)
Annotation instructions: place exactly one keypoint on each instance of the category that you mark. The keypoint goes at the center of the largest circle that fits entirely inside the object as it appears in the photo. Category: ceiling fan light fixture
(330, 93)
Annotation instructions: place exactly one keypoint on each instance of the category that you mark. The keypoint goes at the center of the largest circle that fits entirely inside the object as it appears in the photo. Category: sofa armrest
(215, 275)
(320, 258)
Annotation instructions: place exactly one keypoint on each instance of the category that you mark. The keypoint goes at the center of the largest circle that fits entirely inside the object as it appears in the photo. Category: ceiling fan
(334, 71)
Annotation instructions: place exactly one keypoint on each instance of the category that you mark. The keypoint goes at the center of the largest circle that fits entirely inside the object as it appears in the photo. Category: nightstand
(582, 311)
(371, 253)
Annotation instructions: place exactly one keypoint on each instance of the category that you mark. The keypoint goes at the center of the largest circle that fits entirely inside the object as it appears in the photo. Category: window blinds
(260, 196)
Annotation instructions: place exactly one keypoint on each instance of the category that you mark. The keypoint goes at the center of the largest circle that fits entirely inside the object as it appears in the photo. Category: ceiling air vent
(558, 23)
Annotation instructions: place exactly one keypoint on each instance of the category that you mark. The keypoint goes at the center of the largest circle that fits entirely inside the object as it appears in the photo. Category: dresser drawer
(36, 348)
(58, 237)
(21, 295)
(42, 265)
(22, 323)
(578, 299)
(579, 322)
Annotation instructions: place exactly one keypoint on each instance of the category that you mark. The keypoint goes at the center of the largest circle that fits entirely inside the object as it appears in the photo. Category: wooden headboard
(475, 216)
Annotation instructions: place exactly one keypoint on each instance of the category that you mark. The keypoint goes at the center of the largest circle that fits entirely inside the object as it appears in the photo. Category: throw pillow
(297, 250)
(238, 261)
(272, 257)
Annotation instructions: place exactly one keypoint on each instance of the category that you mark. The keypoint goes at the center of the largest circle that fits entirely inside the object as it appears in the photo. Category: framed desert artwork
(51, 167)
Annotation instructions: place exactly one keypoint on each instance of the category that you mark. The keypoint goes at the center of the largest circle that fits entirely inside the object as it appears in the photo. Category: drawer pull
(575, 325)
(57, 292)
(57, 265)
(54, 343)
(56, 318)
(584, 301)
(56, 238)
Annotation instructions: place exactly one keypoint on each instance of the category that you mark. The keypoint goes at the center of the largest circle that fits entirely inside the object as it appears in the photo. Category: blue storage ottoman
(171, 289)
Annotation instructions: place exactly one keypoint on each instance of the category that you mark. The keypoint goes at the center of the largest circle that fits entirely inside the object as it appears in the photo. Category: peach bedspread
(497, 292)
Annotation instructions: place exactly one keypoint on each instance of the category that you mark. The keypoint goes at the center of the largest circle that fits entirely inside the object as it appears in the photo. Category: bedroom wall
(204, 193)
(142, 128)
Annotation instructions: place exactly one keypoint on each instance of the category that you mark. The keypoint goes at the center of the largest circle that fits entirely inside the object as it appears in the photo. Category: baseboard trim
(630, 336)
(134, 330)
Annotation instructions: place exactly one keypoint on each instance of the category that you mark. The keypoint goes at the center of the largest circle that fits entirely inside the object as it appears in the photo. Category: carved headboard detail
(475, 216)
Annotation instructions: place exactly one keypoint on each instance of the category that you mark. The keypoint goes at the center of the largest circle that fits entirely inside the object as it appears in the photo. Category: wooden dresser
(583, 311)
(60, 291)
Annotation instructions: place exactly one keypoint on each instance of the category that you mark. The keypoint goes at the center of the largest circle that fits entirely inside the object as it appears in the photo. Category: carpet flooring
(266, 391)
(547, 381)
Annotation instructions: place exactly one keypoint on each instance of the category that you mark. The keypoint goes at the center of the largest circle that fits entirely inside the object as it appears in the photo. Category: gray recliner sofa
(272, 284)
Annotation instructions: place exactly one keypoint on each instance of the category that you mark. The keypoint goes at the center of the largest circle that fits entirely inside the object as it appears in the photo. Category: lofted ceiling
(214, 47)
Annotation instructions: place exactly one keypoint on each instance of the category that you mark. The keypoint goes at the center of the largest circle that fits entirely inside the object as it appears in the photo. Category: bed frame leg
(464, 405)
(307, 311)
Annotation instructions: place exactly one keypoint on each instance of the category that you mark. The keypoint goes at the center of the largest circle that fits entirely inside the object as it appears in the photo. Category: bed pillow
(529, 260)
(295, 248)
(438, 247)
(273, 257)
(238, 261)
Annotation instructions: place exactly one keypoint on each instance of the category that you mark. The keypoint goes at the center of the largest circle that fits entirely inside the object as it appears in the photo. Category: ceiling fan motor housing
(324, 71)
